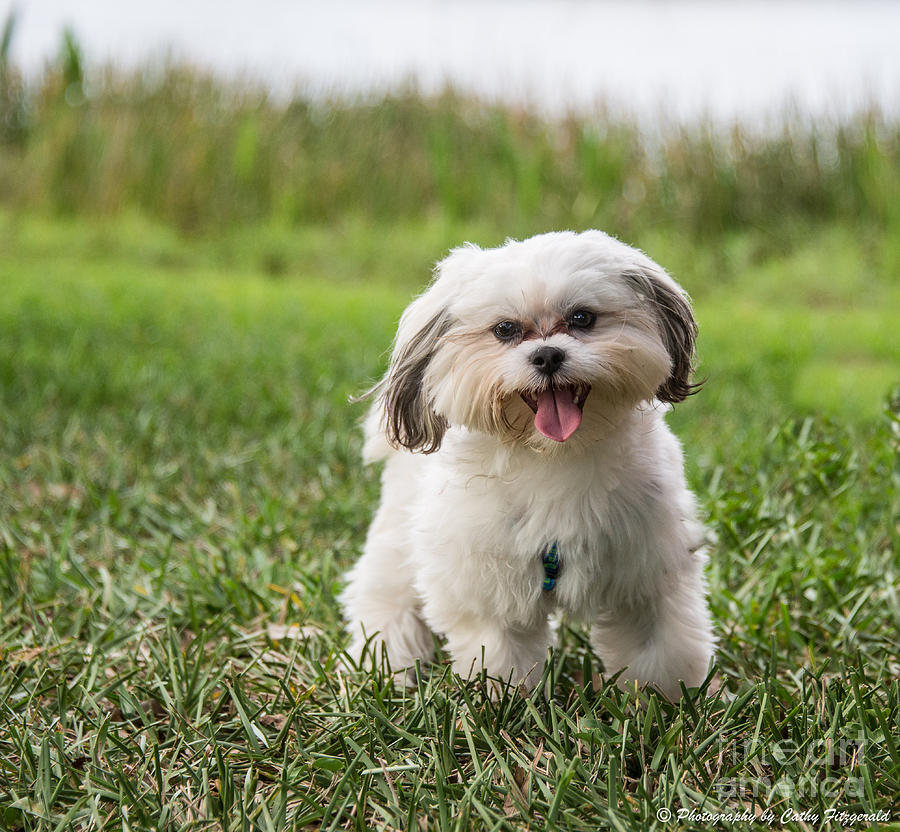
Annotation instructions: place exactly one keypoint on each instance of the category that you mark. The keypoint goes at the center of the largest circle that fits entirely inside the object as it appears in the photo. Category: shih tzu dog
(528, 469)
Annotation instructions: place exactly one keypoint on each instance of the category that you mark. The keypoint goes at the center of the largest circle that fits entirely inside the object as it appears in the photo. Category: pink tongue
(557, 417)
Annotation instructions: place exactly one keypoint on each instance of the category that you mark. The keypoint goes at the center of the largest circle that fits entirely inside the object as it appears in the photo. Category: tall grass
(200, 153)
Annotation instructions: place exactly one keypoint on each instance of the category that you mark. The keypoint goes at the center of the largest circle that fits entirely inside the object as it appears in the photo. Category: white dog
(528, 469)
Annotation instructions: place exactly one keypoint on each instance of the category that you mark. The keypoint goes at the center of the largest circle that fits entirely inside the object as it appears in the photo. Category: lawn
(181, 491)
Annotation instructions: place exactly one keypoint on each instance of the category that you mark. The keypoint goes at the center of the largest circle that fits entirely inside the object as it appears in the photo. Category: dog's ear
(409, 418)
(677, 327)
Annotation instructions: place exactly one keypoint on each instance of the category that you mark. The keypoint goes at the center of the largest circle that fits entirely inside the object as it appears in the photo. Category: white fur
(455, 547)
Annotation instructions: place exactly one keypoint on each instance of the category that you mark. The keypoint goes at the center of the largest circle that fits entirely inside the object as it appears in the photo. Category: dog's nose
(548, 359)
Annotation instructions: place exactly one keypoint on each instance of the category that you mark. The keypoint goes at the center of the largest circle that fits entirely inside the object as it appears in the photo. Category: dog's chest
(563, 538)
(540, 540)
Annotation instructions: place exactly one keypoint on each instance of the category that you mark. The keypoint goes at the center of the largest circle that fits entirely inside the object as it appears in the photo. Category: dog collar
(550, 559)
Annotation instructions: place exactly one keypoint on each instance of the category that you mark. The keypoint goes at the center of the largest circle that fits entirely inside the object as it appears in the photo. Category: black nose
(548, 359)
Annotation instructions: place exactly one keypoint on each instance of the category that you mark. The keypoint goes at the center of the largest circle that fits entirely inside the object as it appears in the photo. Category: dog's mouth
(558, 410)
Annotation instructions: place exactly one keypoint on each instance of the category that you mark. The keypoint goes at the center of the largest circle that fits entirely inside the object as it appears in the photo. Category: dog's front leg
(663, 641)
(380, 604)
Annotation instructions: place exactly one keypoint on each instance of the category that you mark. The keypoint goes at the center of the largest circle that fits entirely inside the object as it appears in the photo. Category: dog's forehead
(542, 275)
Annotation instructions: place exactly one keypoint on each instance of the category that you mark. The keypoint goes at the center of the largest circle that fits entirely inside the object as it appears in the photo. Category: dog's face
(545, 341)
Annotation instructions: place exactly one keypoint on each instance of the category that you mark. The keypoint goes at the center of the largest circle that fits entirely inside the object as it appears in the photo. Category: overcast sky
(723, 59)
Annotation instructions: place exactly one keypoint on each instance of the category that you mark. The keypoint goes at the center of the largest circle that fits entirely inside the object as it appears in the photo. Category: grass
(180, 495)
(178, 145)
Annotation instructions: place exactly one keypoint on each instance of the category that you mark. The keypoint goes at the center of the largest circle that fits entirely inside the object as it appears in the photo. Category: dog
(528, 470)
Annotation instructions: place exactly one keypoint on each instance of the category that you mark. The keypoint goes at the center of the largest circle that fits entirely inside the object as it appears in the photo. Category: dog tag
(551, 566)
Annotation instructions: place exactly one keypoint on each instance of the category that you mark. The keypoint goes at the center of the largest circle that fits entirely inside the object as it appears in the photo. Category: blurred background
(524, 111)
(528, 113)
(684, 60)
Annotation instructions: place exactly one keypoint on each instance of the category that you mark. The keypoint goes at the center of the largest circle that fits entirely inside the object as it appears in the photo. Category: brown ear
(408, 418)
(677, 328)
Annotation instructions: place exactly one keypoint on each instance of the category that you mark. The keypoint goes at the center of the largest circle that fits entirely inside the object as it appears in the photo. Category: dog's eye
(581, 319)
(507, 330)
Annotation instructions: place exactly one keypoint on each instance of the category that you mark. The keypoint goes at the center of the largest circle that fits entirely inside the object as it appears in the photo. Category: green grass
(180, 493)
